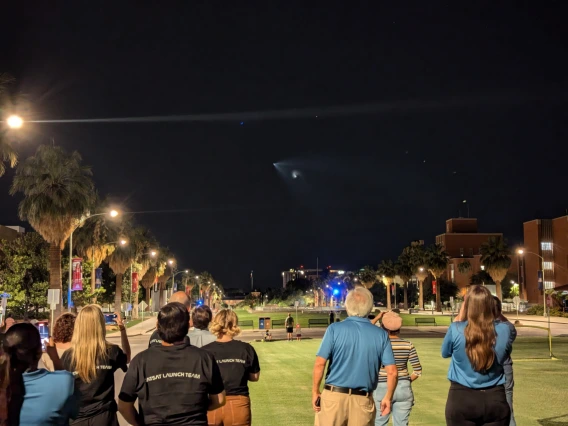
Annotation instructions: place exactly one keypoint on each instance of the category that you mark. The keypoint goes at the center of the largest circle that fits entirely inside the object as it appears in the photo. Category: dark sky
(460, 103)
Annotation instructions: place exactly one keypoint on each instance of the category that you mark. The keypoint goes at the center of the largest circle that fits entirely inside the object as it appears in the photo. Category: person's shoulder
(60, 377)
(113, 350)
(503, 327)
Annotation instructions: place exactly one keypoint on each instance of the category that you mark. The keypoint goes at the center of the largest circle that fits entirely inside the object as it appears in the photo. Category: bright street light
(186, 271)
(15, 122)
(113, 213)
(123, 242)
(520, 251)
(171, 262)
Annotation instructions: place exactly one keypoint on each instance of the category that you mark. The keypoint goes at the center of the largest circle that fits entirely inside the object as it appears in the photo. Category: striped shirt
(404, 352)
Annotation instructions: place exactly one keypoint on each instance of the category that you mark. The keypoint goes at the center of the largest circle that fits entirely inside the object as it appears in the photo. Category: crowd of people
(194, 371)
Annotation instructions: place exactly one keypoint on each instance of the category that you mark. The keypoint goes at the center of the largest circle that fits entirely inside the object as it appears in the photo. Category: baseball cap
(391, 321)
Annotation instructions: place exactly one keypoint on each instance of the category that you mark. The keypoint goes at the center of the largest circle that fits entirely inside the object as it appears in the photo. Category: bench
(246, 323)
(278, 322)
(425, 320)
(321, 322)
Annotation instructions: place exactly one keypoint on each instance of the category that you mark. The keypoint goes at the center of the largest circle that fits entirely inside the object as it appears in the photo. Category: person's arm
(216, 390)
(254, 377)
(124, 343)
(254, 370)
(503, 344)
(128, 412)
(415, 362)
(216, 401)
(392, 379)
(319, 367)
(448, 344)
(377, 318)
(51, 351)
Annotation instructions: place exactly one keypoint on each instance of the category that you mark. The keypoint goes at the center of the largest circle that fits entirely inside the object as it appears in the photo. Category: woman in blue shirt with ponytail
(478, 346)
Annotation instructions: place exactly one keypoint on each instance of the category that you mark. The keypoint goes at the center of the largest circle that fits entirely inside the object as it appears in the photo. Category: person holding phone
(93, 360)
(62, 334)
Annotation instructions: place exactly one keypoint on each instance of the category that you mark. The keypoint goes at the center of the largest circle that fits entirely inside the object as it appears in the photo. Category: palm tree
(403, 269)
(495, 256)
(58, 193)
(368, 276)
(464, 267)
(436, 263)
(417, 259)
(7, 152)
(386, 273)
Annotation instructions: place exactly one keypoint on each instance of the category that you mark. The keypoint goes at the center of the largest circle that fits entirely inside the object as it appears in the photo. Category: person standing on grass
(200, 319)
(238, 364)
(289, 326)
(176, 383)
(93, 361)
(404, 352)
(478, 347)
(355, 350)
(508, 363)
(180, 297)
(298, 332)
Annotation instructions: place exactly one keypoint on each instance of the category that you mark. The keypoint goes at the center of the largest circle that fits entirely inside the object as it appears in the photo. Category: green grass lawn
(408, 320)
(283, 394)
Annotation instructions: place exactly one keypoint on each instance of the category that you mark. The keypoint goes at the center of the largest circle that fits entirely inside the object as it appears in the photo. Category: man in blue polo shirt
(355, 350)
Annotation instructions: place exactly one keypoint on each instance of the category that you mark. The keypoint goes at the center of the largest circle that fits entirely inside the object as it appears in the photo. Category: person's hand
(315, 396)
(119, 320)
(50, 349)
(385, 407)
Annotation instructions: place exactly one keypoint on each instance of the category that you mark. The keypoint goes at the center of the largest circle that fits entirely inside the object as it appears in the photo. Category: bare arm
(253, 377)
(392, 378)
(51, 351)
(377, 318)
(124, 343)
(128, 412)
(216, 401)
(319, 367)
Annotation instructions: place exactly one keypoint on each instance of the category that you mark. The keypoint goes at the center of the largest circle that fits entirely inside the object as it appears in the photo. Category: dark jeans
(509, 385)
(107, 418)
(477, 407)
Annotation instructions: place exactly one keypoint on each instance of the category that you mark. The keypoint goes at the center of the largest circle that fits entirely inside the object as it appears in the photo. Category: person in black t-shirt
(93, 361)
(178, 296)
(239, 365)
(175, 383)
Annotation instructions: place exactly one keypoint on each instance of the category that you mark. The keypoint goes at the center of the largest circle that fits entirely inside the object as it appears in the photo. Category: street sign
(296, 303)
(5, 296)
(53, 297)
(516, 301)
(142, 305)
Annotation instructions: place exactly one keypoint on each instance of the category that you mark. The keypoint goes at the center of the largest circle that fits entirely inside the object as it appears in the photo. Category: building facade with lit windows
(545, 249)
(309, 274)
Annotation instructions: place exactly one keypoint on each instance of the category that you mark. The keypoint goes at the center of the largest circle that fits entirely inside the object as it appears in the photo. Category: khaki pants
(236, 412)
(341, 409)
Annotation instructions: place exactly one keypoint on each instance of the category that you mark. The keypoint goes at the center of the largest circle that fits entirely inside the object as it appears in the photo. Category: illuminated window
(546, 246)
(548, 285)
(452, 273)
(547, 265)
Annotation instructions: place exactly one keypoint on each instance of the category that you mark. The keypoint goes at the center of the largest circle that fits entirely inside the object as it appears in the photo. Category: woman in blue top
(478, 347)
(34, 397)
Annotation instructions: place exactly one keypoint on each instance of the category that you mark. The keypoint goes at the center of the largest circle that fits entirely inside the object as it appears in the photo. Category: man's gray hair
(359, 302)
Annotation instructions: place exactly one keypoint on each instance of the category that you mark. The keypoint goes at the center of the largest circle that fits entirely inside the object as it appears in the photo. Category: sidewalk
(144, 327)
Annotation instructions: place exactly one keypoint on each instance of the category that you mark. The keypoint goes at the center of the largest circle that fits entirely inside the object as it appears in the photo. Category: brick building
(545, 248)
(463, 242)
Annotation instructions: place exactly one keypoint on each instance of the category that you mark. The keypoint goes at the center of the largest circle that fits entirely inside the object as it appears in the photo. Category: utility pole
(251, 281)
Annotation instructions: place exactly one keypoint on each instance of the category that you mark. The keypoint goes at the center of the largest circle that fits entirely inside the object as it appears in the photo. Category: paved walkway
(144, 327)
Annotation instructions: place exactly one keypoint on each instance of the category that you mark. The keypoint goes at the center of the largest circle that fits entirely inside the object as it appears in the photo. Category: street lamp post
(112, 213)
(521, 252)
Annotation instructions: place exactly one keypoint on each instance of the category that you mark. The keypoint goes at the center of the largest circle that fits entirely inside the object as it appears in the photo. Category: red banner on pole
(77, 282)
(135, 282)
(434, 287)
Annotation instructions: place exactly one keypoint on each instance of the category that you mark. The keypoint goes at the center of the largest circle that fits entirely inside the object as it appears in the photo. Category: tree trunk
(93, 279)
(148, 298)
(161, 296)
(421, 295)
(405, 289)
(118, 294)
(498, 290)
(55, 275)
(135, 305)
(438, 297)
(389, 297)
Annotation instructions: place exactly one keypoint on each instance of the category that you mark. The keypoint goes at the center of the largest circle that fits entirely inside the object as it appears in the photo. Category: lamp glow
(15, 122)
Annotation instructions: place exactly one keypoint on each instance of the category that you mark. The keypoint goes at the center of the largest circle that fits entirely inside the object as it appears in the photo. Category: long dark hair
(480, 330)
(21, 352)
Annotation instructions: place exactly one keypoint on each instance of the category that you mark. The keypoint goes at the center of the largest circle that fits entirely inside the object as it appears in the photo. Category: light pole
(151, 253)
(521, 252)
(185, 271)
(112, 213)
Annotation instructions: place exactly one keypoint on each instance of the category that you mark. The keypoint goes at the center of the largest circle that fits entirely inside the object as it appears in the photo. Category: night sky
(391, 115)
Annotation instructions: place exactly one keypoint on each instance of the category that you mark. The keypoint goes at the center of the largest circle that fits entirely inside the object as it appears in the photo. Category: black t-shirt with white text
(155, 339)
(98, 396)
(172, 384)
(236, 360)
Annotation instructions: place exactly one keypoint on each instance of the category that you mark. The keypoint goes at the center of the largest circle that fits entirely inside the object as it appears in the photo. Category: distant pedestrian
(289, 323)
(200, 319)
(62, 335)
(404, 353)
(331, 317)
(180, 297)
(478, 347)
(298, 332)
(508, 363)
(176, 383)
(34, 396)
(238, 363)
(355, 350)
(93, 361)
(268, 335)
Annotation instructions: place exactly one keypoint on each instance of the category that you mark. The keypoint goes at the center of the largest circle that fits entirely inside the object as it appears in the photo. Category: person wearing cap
(354, 350)
(404, 352)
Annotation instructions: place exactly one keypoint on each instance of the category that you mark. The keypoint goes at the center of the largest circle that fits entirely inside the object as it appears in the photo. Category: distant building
(546, 249)
(11, 232)
(309, 274)
(463, 242)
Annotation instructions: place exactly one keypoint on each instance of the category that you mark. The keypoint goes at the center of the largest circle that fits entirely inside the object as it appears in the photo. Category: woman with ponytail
(478, 346)
(30, 395)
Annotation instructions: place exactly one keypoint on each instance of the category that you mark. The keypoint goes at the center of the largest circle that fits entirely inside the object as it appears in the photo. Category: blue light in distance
(335, 292)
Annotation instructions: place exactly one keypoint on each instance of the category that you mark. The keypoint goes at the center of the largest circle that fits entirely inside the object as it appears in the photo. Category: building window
(461, 252)
(471, 251)
(452, 273)
(548, 285)
(547, 266)
(546, 246)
